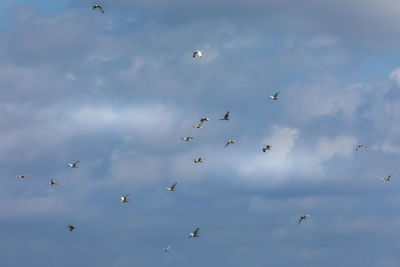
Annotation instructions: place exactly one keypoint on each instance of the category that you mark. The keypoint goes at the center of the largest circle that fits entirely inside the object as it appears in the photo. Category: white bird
(124, 199)
(198, 160)
(195, 233)
(53, 182)
(387, 178)
(187, 139)
(73, 165)
(198, 126)
(172, 188)
(303, 217)
(359, 146)
(226, 117)
(197, 52)
(230, 142)
(99, 7)
(22, 176)
(203, 119)
(275, 96)
(167, 248)
(71, 227)
(267, 147)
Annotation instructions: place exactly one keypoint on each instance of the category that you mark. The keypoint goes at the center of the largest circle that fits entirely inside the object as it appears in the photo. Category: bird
(73, 165)
(198, 126)
(359, 146)
(187, 139)
(226, 117)
(53, 182)
(198, 160)
(203, 119)
(195, 233)
(167, 248)
(124, 199)
(387, 178)
(303, 217)
(71, 227)
(22, 176)
(172, 188)
(275, 96)
(230, 142)
(99, 7)
(265, 148)
(197, 52)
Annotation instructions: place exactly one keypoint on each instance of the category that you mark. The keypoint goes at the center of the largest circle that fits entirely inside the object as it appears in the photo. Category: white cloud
(341, 145)
(395, 76)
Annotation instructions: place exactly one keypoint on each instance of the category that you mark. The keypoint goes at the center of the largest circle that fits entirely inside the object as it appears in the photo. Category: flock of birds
(226, 117)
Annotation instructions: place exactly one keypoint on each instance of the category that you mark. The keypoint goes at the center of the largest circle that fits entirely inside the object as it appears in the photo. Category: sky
(118, 90)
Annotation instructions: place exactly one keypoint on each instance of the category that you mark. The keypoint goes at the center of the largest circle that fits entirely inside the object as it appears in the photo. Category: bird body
(265, 148)
(359, 146)
(98, 7)
(275, 96)
(172, 188)
(167, 248)
(230, 142)
(195, 233)
(22, 176)
(198, 160)
(387, 178)
(203, 119)
(226, 117)
(304, 217)
(74, 165)
(53, 182)
(197, 52)
(187, 139)
(124, 199)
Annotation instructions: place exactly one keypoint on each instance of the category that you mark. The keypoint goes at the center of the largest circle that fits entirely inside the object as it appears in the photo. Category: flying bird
(230, 142)
(195, 233)
(99, 7)
(198, 126)
(359, 146)
(22, 176)
(53, 182)
(73, 165)
(226, 117)
(172, 188)
(303, 217)
(387, 178)
(265, 148)
(167, 248)
(187, 139)
(198, 160)
(203, 119)
(71, 227)
(275, 96)
(124, 199)
(197, 52)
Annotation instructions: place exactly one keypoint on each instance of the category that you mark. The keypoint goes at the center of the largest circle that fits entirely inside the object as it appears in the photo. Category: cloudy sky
(118, 90)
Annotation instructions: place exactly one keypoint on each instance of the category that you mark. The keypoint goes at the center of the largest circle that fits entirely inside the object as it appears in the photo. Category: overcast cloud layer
(118, 90)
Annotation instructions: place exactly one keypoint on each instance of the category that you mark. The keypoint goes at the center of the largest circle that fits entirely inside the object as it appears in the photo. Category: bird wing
(196, 231)
(276, 94)
(173, 186)
(101, 9)
(194, 53)
(226, 115)
(75, 164)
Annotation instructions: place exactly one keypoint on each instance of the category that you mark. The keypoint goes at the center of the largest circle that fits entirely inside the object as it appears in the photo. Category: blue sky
(118, 90)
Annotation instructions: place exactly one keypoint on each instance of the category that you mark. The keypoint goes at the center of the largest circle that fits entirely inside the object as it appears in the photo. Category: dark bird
(73, 165)
(71, 227)
(172, 188)
(187, 139)
(195, 233)
(99, 7)
(226, 117)
(198, 160)
(265, 148)
(303, 217)
(275, 96)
